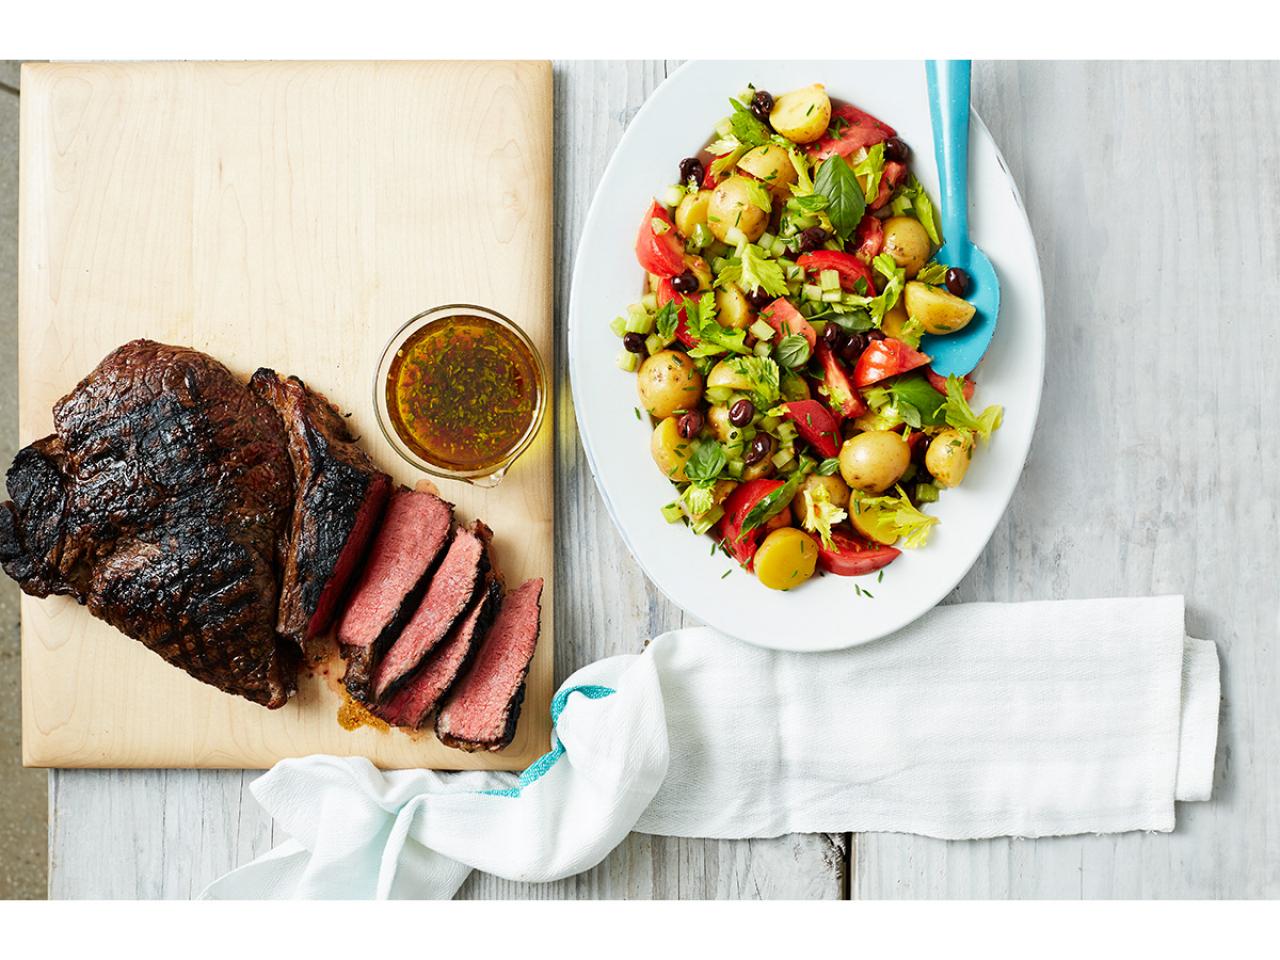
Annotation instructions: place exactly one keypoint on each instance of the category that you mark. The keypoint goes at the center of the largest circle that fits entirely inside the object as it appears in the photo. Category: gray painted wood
(1152, 189)
(167, 833)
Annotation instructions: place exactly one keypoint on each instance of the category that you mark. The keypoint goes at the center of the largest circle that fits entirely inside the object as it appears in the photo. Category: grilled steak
(413, 703)
(482, 709)
(451, 591)
(159, 503)
(415, 529)
(339, 496)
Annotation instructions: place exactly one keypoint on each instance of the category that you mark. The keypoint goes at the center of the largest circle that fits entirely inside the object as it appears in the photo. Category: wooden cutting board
(290, 215)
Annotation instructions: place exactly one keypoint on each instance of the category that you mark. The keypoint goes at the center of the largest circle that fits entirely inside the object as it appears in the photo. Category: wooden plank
(1154, 468)
(285, 215)
(107, 828)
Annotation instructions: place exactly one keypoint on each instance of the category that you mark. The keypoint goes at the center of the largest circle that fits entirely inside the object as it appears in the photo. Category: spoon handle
(949, 108)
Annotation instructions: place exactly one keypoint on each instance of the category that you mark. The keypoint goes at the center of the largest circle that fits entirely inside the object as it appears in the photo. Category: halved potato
(692, 211)
(772, 165)
(938, 311)
(670, 450)
(802, 115)
(786, 559)
(731, 206)
(732, 308)
(698, 267)
(872, 522)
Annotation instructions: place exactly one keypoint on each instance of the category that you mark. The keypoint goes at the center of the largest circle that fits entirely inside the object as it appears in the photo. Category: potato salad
(791, 273)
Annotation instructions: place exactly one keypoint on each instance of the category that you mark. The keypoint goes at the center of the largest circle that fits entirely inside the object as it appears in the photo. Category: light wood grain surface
(283, 215)
(1151, 189)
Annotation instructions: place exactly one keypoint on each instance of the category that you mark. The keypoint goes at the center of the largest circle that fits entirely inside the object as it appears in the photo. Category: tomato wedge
(850, 130)
(886, 358)
(852, 556)
(894, 174)
(659, 253)
(869, 238)
(816, 424)
(843, 399)
(736, 507)
(850, 268)
(785, 319)
(666, 293)
(939, 383)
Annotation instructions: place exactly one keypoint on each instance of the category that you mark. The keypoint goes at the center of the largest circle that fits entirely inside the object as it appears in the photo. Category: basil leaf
(845, 202)
(792, 351)
(706, 463)
(770, 505)
(828, 467)
(925, 403)
(666, 321)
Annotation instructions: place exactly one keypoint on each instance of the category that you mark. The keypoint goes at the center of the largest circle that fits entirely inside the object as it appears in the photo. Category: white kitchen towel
(979, 720)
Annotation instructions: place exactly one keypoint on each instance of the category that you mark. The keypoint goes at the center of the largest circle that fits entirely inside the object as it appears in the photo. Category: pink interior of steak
(451, 590)
(414, 528)
(353, 552)
(478, 709)
(411, 705)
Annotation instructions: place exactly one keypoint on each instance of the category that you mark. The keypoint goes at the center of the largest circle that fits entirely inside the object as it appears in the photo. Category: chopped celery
(783, 457)
(829, 280)
(672, 195)
(770, 424)
(650, 302)
(618, 326)
(805, 222)
(628, 361)
(735, 237)
(673, 512)
(787, 431)
(778, 247)
(762, 349)
(926, 493)
(640, 322)
(766, 240)
(653, 343)
(762, 331)
(708, 520)
(724, 128)
(735, 468)
(719, 394)
(811, 292)
(702, 236)
(832, 296)
(718, 264)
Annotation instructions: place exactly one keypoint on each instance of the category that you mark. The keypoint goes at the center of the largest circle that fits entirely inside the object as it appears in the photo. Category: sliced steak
(339, 496)
(481, 711)
(159, 503)
(451, 591)
(413, 703)
(415, 529)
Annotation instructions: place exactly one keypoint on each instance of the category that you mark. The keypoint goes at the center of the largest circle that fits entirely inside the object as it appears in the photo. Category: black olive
(852, 349)
(691, 169)
(690, 425)
(833, 337)
(896, 150)
(812, 239)
(874, 335)
(687, 282)
(760, 448)
(634, 342)
(957, 281)
(762, 105)
(759, 299)
(741, 413)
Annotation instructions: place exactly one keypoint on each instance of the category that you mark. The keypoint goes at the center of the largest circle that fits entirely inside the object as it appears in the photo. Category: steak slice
(159, 502)
(339, 496)
(481, 711)
(415, 529)
(451, 591)
(413, 703)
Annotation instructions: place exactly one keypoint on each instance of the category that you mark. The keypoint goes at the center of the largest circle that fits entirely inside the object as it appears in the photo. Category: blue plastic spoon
(958, 352)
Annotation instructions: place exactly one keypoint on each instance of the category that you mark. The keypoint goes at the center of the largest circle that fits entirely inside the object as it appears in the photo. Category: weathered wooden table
(1152, 189)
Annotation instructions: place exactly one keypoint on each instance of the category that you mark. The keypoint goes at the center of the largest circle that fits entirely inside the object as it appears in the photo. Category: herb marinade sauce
(462, 392)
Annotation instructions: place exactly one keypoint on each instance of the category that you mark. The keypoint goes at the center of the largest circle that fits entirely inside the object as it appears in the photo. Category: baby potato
(872, 522)
(772, 165)
(761, 468)
(718, 421)
(698, 267)
(732, 308)
(670, 450)
(937, 310)
(786, 558)
(894, 321)
(837, 490)
(691, 211)
(802, 115)
(668, 381)
(731, 207)
(873, 461)
(907, 241)
(948, 457)
(724, 375)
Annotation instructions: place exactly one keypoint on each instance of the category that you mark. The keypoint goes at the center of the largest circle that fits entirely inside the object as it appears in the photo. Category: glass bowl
(488, 474)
